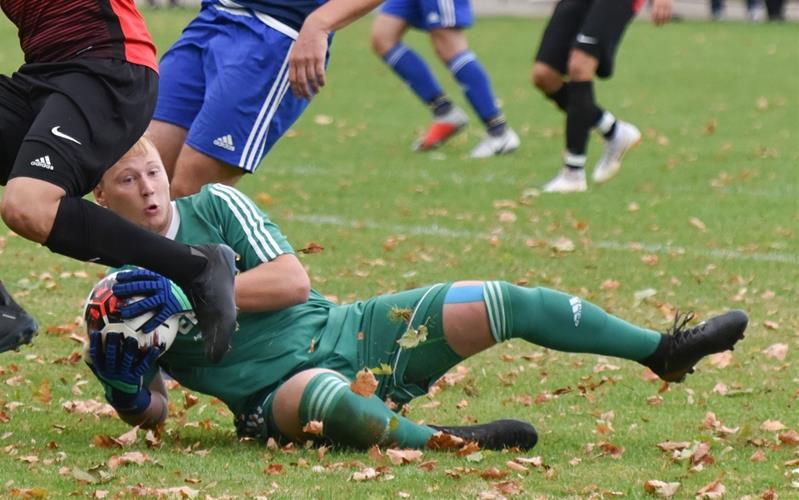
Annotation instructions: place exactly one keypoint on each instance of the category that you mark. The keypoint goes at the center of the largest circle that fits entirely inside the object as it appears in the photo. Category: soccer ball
(102, 315)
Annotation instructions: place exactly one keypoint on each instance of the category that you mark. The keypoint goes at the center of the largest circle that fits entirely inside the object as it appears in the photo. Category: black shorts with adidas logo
(68, 122)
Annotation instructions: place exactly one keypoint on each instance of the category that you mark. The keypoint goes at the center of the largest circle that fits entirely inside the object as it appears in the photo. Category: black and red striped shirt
(60, 30)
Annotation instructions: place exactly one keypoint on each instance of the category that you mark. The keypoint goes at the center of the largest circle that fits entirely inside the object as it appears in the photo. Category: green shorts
(368, 339)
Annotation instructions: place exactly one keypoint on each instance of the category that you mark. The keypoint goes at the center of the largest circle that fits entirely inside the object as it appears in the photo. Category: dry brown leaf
(444, 441)
(661, 489)
(769, 494)
(672, 446)
(609, 284)
(771, 325)
(105, 441)
(365, 383)
(772, 426)
(650, 260)
(516, 466)
(790, 437)
(189, 400)
(701, 455)
(274, 469)
(698, 224)
(364, 475)
(403, 457)
(89, 406)
(493, 473)
(758, 456)
(133, 457)
(721, 359)
(427, 465)
(129, 437)
(563, 245)
(711, 491)
(43, 393)
(776, 351)
(508, 487)
(311, 247)
(313, 427)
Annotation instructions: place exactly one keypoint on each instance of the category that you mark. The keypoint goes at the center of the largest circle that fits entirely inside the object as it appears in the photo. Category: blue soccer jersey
(290, 12)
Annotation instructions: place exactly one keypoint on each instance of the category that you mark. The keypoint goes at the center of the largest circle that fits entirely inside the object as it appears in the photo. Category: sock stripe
(323, 394)
(461, 60)
(395, 54)
(496, 313)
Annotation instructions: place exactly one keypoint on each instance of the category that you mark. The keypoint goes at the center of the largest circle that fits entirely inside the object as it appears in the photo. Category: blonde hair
(141, 148)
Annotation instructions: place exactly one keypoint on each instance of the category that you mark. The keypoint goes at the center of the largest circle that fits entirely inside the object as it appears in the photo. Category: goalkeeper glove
(161, 296)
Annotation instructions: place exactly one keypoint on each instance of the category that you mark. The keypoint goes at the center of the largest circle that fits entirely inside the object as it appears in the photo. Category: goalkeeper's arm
(156, 411)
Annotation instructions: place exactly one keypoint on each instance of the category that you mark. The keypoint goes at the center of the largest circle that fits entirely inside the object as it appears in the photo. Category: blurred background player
(295, 353)
(579, 43)
(223, 100)
(445, 21)
(84, 95)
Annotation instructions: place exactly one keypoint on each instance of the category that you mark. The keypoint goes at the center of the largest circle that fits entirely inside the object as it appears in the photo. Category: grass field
(705, 213)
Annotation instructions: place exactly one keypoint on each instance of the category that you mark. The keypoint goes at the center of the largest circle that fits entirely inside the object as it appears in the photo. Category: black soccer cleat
(213, 298)
(681, 348)
(17, 327)
(496, 435)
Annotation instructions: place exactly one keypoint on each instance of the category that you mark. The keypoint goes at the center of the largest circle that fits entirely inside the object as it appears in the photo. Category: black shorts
(67, 123)
(594, 26)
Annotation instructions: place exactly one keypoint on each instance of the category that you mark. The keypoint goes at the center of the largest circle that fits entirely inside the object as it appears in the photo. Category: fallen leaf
(364, 475)
(758, 456)
(721, 359)
(661, 489)
(311, 248)
(673, 445)
(443, 441)
(274, 469)
(563, 245)
(365, 383)
(413, 337)
(771, 325)
(790, 437)
(711, 491)
(772, 426)
(698, 224)
(323, 119)
(642, 295)
(403, 457)
(776, 351)
(129, 437)
(313, 427)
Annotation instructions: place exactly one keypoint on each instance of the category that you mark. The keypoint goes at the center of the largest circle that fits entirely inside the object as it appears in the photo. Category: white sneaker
(496, 145)
(567, 181)
(626, 137)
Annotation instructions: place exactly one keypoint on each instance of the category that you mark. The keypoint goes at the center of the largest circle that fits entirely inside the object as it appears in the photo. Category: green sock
(563, 322)
(352, 420)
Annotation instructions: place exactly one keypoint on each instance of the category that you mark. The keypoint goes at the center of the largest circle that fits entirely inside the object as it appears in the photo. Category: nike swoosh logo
(62, 135)
(586, 39)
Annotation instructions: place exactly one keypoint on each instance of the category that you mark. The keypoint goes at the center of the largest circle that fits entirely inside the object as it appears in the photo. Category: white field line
(460, 179)
(630, 246)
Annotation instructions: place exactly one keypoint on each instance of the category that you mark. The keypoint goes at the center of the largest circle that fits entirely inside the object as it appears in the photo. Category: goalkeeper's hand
(161, 296)
(120, 366)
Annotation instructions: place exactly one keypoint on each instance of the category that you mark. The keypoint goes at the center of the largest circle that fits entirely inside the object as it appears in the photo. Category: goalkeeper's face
(137, 188)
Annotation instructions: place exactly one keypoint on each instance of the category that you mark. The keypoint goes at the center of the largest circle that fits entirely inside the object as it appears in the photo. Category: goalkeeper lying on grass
(295, 354)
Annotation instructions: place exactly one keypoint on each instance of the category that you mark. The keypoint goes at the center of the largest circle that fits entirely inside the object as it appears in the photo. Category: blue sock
(474, 80)
(414, 71)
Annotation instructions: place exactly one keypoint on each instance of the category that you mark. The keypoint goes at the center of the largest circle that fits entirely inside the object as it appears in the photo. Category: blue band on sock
(462, 294)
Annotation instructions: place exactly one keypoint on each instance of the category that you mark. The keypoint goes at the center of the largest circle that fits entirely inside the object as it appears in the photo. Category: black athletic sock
(88, 232)
(581, 114)
(561, 97)
(441, 105)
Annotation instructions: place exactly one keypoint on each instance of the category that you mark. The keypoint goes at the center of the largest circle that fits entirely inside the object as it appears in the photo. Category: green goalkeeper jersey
(268, 346)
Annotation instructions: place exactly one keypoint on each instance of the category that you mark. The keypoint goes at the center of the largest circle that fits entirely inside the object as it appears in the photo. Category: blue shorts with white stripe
(226, 81)
(431, 14)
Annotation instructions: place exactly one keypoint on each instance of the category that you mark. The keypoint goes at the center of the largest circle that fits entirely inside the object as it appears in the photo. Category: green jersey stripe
(248, 225)
(251, 209)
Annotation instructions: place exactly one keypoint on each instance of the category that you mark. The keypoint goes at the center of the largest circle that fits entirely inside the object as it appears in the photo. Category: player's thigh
(446, 14)
(246, 88)
(286, 405)
(387, 31)
(194, 169)
(602, 30)
(183, 77)
(560, 32)
(16, 116)
(88, 114)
